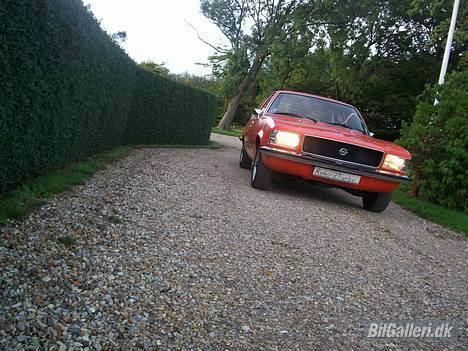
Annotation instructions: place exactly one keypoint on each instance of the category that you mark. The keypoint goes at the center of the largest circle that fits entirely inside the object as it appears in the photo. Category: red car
(321, 140)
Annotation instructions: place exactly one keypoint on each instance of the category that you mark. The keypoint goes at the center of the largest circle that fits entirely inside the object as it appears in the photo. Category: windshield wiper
(292, 114)
(345, 126)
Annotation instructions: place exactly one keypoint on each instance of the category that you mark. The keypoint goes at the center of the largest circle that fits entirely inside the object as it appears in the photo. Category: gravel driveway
(172, 249)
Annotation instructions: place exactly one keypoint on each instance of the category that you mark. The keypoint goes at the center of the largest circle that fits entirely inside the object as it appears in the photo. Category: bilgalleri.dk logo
(412, 329)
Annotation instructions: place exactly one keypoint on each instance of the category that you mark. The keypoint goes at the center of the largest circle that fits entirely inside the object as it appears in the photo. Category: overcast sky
(156, 30)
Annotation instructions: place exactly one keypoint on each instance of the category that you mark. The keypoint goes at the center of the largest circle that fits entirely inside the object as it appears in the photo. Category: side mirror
(258, 111)
(371, 134)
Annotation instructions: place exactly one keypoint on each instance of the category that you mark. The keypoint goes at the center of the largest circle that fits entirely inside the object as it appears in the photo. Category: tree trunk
(415, 186)
(231, 110)
(230, 113)
(337, 90)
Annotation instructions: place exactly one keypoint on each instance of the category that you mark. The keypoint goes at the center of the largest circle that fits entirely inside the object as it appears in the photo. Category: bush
(68, 91)
(438, 140)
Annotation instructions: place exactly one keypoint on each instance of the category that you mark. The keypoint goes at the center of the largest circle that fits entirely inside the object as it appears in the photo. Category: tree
(375, 46)
(156, 68)
(375, 54)
(200, 82)
(363, 52)
(251, 27)
(119, 37)
(288, 60)
(438, 140)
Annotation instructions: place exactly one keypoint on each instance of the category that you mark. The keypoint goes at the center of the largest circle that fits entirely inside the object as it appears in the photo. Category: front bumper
(334, 164)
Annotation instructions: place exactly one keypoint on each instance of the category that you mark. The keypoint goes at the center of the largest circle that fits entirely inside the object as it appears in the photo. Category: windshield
(318, 109)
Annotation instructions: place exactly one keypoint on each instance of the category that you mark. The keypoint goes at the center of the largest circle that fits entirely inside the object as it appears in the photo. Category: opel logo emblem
(343, 151)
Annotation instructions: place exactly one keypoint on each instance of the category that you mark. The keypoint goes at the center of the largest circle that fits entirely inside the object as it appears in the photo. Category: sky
(157, 31)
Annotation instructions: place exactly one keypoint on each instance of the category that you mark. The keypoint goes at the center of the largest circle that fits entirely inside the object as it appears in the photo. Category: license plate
(335, 175)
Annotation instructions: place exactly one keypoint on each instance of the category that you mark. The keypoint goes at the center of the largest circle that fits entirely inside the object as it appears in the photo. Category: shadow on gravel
(301, 188)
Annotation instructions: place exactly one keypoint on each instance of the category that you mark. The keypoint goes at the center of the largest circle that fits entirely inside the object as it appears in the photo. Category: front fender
(264, 133)
(260, 135)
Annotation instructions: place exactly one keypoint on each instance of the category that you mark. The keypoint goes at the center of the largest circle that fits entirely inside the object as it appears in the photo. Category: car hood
(328, 131)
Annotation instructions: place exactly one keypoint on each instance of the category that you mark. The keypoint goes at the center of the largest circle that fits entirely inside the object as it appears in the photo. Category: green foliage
(114, 220)
(438, 140)
(119, 37)
(156, 68)
(67, 241)
(384, 100)
(366, 62)
(298, 73)
(68, 91)
(436, 14)
(200, 82)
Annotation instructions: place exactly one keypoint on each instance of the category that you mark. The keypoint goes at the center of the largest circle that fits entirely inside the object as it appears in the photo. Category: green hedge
(178, 117)
(67, 91)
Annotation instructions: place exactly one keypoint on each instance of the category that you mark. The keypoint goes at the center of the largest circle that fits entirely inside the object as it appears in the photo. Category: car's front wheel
(244, 159)
(376, 202)
(260, 174)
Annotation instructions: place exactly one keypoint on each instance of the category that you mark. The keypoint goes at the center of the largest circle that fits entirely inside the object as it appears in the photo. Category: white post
(443, 69)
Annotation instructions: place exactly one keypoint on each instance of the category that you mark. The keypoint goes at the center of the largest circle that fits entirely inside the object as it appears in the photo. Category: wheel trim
(254, 170)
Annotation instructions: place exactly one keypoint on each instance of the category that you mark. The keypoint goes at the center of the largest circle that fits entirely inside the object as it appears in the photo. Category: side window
(266, 101)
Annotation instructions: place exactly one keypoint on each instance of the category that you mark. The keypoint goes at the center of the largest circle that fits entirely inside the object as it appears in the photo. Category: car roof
(315, 96)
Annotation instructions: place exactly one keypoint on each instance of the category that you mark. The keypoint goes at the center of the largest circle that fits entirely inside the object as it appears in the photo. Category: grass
(231, 132)
(6, 245)
(67, 241)
(32, 193)
(114, 220)
(435, 213)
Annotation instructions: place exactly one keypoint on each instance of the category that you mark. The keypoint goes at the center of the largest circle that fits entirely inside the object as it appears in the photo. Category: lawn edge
(230, 132)
(445, 217)
(212, 145)
(32, 193)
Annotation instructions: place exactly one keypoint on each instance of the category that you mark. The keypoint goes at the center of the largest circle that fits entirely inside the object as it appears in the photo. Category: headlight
(395, 163)
(285, 139)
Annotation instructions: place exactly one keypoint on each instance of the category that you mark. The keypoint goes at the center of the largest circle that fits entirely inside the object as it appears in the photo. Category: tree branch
(216, 48)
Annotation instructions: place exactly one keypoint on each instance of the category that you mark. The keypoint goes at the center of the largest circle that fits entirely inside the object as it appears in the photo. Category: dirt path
(172, 249)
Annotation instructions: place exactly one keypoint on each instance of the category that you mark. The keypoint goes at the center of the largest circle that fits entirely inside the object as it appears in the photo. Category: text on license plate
(335, 175)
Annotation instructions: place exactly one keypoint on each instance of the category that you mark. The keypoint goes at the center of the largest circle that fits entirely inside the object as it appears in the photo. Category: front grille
(331, 148)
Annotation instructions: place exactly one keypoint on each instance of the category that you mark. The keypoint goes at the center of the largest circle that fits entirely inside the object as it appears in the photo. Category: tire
(260, 175)
(244, 159)
(376, 202)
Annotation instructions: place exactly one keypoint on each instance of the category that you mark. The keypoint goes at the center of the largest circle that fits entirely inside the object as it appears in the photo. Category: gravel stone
(174, 250)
